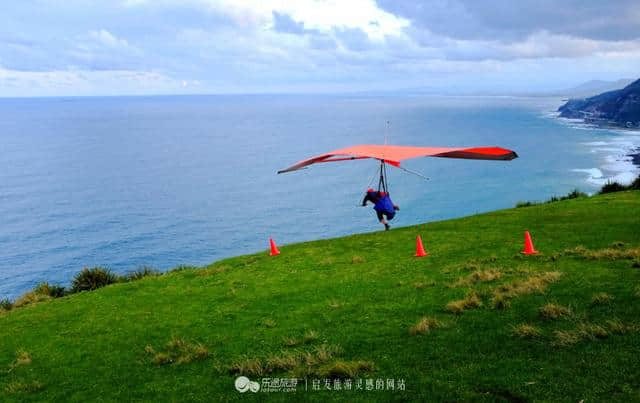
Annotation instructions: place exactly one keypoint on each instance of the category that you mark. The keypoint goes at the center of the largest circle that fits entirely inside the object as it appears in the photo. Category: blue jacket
(382, 204)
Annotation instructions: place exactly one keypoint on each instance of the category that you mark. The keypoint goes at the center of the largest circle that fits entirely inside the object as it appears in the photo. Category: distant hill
(612, 108)
(594, 87)
(583, 90)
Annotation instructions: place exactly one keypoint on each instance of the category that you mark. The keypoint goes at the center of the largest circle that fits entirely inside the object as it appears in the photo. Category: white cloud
(321, 15)
(108, 39)
(544, 44)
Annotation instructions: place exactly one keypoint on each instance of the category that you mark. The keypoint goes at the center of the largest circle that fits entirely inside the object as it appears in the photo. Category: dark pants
(388, 215)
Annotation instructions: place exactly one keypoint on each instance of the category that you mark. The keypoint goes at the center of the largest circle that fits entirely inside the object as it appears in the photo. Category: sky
(134, 47)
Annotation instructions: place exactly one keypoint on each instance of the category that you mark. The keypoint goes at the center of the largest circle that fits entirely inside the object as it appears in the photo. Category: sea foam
(616, 161)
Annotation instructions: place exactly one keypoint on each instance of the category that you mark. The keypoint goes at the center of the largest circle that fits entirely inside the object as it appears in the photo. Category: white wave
(606, 149)
(594, 173)
(596, 177)
(617, 164)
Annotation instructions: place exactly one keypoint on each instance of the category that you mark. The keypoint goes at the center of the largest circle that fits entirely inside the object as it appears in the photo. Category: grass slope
(362, 307)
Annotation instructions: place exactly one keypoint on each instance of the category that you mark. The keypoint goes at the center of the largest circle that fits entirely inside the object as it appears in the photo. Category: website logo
(244, 384)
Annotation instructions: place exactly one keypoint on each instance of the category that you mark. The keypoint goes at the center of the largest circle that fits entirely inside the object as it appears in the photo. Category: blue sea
(124, 182)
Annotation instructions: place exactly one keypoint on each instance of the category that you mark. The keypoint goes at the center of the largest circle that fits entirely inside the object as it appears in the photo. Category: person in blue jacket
(383, 206)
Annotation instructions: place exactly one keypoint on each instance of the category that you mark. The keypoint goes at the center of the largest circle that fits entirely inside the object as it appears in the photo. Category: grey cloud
(515, 20)
(353, 38)
(322, 42)
(284, 23)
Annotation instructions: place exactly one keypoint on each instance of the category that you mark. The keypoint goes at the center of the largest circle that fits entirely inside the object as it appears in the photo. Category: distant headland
(617, 108)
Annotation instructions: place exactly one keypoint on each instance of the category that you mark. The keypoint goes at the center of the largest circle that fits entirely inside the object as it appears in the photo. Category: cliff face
(618, 108)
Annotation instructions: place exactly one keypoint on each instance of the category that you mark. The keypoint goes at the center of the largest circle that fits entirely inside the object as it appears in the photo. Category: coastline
(620, 160)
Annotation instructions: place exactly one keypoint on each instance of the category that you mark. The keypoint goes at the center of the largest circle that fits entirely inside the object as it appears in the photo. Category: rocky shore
(618, 108)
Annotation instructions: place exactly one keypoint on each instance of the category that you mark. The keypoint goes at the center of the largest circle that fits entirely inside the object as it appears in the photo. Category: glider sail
(393, 155)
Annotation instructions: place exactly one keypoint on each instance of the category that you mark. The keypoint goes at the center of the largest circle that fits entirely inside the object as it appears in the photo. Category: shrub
(613, 253)
(53, 291)
(290, 341)
(422, 284)
(424, 326)
(554, 311)
(478, 276)
(526, 331)
(178, 351)
(144, 271)
(534, 284)
(565, 338)
(92, 279)
(22, 358)
(611, 187)
(182, 267)
(574, 194)
(5, 304)
(20, 386)
(326, 352)
(525, 204)
(248, 366)
(284, 362)
(470, 301)
(601, 299)
(30, 297)
(310, 336)
(618, 327)
(590, 331)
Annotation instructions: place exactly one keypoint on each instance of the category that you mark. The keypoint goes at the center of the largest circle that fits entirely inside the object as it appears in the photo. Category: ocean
(123, 182)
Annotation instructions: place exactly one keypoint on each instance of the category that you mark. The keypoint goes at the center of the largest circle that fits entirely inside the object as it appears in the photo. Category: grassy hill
(474, 320)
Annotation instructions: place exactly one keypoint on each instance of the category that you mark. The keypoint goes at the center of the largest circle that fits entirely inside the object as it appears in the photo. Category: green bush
(182, 267)
(92, 279)
(525, 204)
(635, 185)
(611, 187)
(144, 271)
(5, 304)
(574, 194)
(54, 291)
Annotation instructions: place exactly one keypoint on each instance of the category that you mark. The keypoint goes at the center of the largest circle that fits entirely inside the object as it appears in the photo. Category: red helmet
(370, 190)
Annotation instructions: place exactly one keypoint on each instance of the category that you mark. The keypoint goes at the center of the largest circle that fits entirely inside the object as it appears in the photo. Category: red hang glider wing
(393, 155)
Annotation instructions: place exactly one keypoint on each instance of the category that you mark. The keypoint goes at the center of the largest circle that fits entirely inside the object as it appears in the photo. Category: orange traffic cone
(274, 249)
(420, 252)
(528, 245)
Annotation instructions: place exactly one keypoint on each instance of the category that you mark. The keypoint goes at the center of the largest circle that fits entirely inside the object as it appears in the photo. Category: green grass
(361, 307)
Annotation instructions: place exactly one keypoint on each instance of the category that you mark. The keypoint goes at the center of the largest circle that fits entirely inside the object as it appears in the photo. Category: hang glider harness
(381, 174)
(393, 155)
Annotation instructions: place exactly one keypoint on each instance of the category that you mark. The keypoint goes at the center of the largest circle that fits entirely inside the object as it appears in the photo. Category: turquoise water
(162, 181)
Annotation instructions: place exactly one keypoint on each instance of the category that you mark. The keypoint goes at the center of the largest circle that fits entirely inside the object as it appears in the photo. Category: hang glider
(394, 155)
